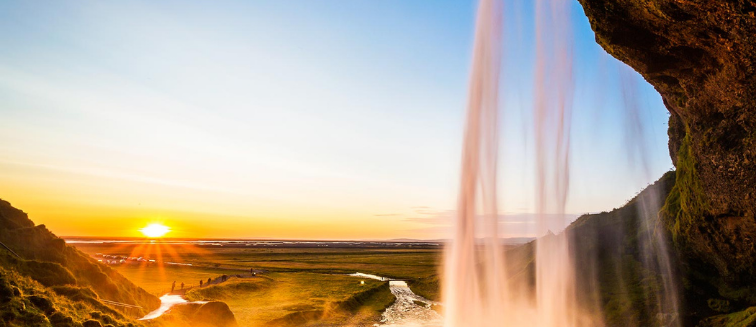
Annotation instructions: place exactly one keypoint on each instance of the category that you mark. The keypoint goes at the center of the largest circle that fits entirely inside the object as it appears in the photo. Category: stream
(166, 302)
(409, 309)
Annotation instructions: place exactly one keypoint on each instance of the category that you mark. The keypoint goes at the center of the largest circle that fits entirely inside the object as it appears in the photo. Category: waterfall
(480, 286)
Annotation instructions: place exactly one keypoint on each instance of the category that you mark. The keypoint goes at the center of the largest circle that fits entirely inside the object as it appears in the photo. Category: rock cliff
(700, 56)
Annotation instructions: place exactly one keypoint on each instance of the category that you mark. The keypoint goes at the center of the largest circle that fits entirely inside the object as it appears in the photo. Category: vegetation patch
(428, 287)
(362, 308)
(745, 318)
(234, 287)
(26, 302)
(686, 205)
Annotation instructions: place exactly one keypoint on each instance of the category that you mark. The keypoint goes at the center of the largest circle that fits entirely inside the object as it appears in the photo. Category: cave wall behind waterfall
(700, 56)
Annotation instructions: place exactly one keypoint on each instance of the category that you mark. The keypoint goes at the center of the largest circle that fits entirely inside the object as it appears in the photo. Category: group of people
(209, 280)
(201, 283)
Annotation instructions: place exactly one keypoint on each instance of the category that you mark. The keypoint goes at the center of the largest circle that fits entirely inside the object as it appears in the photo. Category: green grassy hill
(45, 282)
(619, 277)
(300, 299)
(615, 275)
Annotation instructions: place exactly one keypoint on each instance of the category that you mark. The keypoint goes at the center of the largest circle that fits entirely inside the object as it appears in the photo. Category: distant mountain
(507, 241)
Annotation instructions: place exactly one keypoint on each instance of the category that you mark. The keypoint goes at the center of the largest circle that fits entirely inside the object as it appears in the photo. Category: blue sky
(284, 119)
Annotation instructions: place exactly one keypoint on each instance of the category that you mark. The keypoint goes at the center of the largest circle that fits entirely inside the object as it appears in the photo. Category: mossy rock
(719, 305)
(92, 323)
(59, 319)
(745, 318)
(214, 314)
(42, 303)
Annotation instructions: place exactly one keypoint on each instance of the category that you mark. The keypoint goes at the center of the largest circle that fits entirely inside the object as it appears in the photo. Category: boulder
(214, 314)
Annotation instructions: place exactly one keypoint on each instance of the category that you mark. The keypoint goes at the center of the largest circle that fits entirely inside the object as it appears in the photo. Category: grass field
(298, 282)
(396, 263)
(273, 296)
(158, 280)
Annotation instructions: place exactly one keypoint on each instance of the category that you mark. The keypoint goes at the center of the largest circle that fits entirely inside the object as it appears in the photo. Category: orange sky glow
(262, 120)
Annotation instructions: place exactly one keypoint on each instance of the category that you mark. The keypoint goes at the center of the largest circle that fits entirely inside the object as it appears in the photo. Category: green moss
(229, 289)
(47, 259)
(33, 304)
(686, 205)
(363, 308)
(743, 318)
(427, 287)
(375, 299)
(719, 305)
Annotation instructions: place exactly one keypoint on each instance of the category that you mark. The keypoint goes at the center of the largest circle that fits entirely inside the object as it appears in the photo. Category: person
(173, 287)
(182, 285)
(200, 283)
(208, 281)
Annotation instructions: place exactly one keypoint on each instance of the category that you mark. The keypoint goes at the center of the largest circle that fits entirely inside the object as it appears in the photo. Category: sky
(289, 119)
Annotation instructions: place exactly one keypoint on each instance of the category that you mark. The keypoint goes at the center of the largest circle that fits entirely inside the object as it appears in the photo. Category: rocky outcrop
(701, 57)
(197, 314)
(214, 314)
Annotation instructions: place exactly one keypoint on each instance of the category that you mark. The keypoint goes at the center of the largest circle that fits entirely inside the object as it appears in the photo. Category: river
(409, 309)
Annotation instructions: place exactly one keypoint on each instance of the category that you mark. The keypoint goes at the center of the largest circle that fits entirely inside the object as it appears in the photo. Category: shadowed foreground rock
(214, 314)
(210, 314)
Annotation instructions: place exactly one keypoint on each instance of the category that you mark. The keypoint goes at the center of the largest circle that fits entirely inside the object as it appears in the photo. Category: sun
(155, 230)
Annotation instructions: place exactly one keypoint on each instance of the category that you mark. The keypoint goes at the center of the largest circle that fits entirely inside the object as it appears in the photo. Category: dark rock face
(701, 57)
